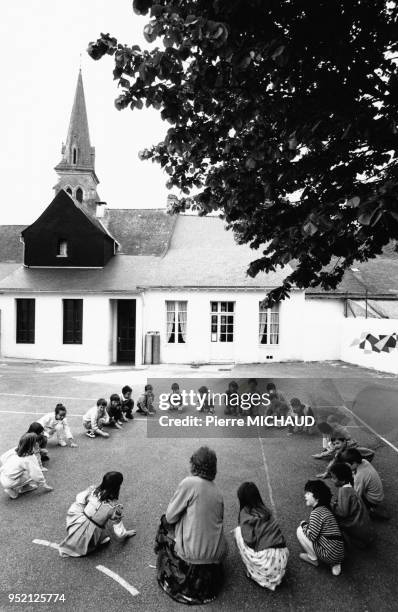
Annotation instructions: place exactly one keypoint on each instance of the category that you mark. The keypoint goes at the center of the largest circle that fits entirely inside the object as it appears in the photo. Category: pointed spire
(78, 152)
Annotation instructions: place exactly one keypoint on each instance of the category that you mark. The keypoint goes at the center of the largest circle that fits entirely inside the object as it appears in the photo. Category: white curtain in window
(170, 313)
(182, 321)
(274, 326)
(263, 326)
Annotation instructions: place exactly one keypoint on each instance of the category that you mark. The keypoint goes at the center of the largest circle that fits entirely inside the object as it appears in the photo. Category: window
(79, 194)
(222, 321)
(62, 248)
(74, 159)
(176, 313)
(25, 321)
(268, 332)
(73, 322)
(69, 190)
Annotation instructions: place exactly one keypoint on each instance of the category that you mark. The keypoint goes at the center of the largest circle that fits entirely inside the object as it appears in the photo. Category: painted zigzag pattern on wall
(376, 344)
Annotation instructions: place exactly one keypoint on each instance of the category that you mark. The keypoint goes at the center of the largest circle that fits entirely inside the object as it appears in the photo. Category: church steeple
(76, 169)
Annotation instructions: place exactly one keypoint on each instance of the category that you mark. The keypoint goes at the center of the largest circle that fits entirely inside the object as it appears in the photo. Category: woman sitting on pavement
(190, 542)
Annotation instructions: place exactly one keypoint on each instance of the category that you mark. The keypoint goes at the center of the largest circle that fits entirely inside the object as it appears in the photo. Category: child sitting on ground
(320, 537)
(145, 403)
(20, 471)
(175, 399)
(232, 401)
(38, 429)
(114, 412)
(331, 427)
(127, 403)
(205, 404)
(367, 483)
(340, 444)
(55, 424)
(94, 420)
(260, 542)
(301, 410)
(349, 509)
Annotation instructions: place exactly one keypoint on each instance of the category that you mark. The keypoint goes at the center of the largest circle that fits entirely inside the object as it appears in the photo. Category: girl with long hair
(20, 471)
(260, 542)
(90, 514)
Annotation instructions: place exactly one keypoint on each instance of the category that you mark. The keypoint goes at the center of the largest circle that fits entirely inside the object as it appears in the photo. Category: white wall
(49, 330)
(352, 329)
(322, 323)
(245, 348)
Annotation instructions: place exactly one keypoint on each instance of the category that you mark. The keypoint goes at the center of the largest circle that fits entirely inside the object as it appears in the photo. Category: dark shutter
(73, 322)
(25, 321)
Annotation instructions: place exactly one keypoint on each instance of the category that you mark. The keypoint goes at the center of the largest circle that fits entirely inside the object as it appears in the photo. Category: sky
(42, 43)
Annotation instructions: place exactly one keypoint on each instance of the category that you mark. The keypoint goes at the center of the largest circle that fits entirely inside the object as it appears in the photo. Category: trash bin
(148, 348)
(156, 348)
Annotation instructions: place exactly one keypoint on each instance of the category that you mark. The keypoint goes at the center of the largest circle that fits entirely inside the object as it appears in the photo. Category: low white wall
(245, 348)
(353, 328)
(321, 325)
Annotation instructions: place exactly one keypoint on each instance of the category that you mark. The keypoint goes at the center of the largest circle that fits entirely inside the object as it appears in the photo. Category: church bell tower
(76, 170)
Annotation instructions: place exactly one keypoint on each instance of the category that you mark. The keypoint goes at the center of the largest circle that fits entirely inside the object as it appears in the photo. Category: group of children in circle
(334, 522)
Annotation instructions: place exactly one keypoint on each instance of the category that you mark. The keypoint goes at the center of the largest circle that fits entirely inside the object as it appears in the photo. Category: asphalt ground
(152, 468)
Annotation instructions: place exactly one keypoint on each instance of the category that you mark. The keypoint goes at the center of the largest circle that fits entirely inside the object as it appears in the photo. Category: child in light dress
(20, 471)
(55, 424)
(260, 542)
(94, 509)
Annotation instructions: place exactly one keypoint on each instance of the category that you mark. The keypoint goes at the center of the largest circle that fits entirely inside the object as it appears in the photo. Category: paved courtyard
(152, 468)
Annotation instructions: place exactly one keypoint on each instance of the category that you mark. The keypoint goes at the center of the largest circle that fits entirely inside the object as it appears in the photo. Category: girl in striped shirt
(320, 537)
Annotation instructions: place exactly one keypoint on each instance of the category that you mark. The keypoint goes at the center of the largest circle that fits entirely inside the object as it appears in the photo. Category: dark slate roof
(140, 232)
(7, 268)
(159, 250)
(201, 254)
(376, 277)
(11, 247)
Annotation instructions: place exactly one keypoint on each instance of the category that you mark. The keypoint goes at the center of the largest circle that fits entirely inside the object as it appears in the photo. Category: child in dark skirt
(114, 411)
(127, 403)
(349, 509)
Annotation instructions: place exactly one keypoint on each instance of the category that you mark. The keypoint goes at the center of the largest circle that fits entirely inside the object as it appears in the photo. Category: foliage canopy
(269, 98)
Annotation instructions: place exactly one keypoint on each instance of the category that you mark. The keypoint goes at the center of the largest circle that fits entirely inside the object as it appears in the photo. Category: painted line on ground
(69, 415)
(373, 431)
(46, 543)
(132, 590)
(54, 397)
(274, 512)
(267, 476)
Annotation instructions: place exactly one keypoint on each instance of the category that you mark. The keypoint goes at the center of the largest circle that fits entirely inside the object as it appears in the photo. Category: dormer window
(62, 248)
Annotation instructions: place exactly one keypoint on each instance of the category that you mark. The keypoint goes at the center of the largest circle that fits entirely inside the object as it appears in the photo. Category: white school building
(86, 283)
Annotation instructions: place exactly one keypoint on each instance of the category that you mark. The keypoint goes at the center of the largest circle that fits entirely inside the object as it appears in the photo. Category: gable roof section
(62, 199)
(140, 232)
(11, 247)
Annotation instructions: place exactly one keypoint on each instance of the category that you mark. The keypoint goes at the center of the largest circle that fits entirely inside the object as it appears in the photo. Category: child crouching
(94, 420)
